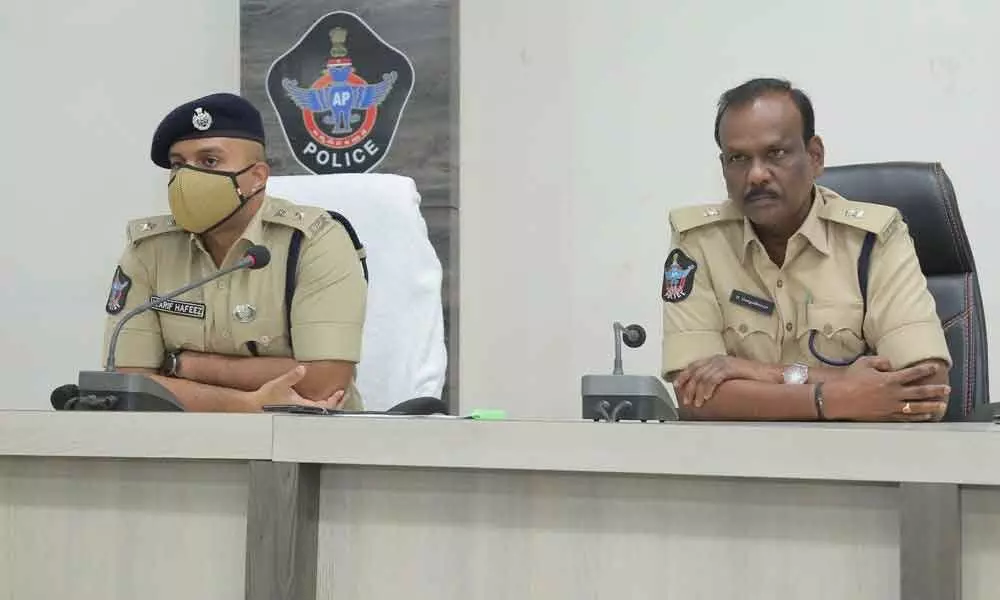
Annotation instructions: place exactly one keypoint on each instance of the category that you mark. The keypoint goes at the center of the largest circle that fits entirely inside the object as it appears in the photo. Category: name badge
(752, 302)
(195, 310)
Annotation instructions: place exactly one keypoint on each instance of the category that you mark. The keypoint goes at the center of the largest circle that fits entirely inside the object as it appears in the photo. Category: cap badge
(201, 119)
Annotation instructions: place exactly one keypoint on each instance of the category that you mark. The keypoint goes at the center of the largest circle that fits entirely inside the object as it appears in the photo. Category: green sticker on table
(488, 414)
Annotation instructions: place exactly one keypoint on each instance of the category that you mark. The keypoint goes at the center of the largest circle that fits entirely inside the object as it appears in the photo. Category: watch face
(796, 374)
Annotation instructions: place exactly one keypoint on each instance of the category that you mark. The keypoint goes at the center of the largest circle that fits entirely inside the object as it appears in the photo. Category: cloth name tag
(752, 302)
(195, 310)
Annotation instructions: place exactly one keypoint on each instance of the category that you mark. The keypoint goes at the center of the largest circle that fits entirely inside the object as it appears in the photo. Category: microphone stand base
(132, 392)
(626, 398)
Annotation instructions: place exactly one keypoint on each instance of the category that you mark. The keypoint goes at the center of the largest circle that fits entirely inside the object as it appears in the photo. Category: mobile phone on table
(296, 409)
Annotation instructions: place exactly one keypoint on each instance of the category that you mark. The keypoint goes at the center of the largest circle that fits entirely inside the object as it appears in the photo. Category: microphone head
(634, 336)
(259, 256)
(62, 394)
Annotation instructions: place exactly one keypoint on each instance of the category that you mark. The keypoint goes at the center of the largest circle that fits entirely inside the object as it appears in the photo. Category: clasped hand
(868, 390)
(281, 391)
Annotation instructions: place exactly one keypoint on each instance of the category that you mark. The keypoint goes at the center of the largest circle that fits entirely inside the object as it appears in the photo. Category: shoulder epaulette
(142, 229)
(690, 217)
(874, 218)
(310, 220)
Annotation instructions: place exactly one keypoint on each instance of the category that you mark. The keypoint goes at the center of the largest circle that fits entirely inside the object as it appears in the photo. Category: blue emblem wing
(373, 94)
(304, 98)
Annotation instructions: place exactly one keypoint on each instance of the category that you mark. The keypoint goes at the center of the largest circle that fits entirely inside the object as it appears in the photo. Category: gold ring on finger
(907, 409)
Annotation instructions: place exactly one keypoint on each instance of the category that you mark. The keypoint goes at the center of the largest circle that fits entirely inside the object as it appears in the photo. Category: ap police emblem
(678, 276)
(339, 93)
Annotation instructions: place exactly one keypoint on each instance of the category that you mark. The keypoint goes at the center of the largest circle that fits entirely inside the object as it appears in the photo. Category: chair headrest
(924, 195)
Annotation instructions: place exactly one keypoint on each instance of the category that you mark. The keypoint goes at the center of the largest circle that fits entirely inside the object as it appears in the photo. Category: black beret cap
(216, 115)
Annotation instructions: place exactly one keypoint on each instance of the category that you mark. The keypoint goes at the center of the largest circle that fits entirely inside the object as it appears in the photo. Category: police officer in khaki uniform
(763, 317)
(226, 346)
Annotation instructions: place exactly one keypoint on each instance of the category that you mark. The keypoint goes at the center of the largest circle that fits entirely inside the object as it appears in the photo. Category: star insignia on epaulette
(319, 224)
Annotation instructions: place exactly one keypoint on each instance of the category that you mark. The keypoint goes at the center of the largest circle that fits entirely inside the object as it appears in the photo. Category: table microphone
(633, 336)
(108, 390)
(621, 397)
(256, 257)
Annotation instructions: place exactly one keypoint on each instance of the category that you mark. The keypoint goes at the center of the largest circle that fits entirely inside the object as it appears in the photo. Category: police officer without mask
(226, 346)
(763, 314)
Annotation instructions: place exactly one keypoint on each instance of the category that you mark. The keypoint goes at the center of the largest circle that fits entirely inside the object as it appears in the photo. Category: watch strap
(818, 400)
(171, 364)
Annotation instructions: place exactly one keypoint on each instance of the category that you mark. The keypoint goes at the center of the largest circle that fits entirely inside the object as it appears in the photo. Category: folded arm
(199, 397)
(322, 378)
(701, 378)
(740, 399)
(722, 387)
(862, 393)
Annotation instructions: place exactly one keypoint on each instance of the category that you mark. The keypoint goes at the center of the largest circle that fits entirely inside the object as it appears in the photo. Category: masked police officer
(763, 315)
(228, 346)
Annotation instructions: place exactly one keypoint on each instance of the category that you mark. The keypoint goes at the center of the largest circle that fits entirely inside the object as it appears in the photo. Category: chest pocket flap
(838, 327)
(742, 322)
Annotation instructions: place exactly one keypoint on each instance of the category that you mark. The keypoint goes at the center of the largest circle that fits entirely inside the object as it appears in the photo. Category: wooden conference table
(120, 506)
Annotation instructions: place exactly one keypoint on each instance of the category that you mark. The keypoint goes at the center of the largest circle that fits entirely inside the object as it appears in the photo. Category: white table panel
(121, 529)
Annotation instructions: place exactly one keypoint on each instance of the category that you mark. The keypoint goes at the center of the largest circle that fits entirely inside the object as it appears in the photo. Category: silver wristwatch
(796, 373)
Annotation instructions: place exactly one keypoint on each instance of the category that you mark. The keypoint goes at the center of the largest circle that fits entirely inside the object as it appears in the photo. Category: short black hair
(746, 93)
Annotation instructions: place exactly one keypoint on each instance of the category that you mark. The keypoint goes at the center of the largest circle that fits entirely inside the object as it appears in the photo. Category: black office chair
(424, 405)
(924, 195)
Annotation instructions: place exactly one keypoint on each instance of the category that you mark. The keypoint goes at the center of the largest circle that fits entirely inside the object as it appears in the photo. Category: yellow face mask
(201, 199)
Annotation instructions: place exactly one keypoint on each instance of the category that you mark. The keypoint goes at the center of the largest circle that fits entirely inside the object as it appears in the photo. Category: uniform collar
(813, 228)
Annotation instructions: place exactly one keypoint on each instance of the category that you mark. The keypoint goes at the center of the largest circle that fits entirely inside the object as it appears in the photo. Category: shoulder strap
(691, 217)
(292, 265)
(141, 229)
(864, 265)
(873, 218)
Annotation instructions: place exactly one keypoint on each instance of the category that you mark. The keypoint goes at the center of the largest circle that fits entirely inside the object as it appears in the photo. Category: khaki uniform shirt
(726, 296)
(246, 308)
